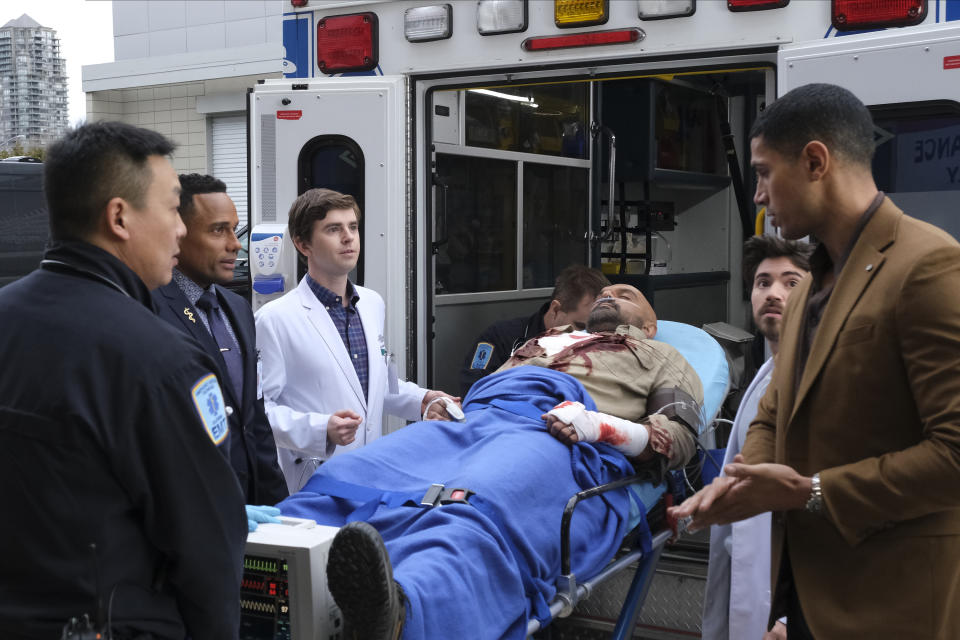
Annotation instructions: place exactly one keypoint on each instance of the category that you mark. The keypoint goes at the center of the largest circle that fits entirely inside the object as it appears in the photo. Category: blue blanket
(480, 569)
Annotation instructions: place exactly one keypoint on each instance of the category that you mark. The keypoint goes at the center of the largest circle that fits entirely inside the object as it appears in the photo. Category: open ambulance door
(910, 80)
(346, 134)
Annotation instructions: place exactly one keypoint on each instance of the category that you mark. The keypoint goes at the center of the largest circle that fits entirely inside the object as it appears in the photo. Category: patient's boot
(360, 578)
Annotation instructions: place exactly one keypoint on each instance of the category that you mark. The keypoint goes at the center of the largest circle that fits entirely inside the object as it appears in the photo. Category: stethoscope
(51, 265)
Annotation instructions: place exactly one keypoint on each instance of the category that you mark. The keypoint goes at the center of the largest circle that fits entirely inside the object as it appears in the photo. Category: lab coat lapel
(376, 347)
(323, 324)
(864, 262)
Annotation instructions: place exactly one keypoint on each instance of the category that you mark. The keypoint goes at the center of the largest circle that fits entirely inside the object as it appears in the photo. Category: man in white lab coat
(327, 380)
(737, 598)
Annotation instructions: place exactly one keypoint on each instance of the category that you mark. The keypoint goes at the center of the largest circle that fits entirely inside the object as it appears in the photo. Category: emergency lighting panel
(273, 262)
(283, 595)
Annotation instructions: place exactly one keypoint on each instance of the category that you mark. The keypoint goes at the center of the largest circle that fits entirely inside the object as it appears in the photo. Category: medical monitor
(283, 595)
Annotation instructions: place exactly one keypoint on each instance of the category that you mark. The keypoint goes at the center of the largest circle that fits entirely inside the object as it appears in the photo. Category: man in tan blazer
(856, 444)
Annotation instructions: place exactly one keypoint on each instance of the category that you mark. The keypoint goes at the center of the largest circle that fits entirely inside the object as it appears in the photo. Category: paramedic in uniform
(327, 379)
(573, 294)
(121, 503)
(196, 303)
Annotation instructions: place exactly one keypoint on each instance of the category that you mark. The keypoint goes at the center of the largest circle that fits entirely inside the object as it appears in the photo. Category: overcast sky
(85, 29)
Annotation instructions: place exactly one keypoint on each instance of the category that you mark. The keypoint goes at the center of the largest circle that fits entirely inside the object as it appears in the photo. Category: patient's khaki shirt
(619, 370)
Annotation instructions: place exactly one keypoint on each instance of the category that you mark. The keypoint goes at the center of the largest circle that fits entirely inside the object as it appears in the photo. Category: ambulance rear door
(346, 134)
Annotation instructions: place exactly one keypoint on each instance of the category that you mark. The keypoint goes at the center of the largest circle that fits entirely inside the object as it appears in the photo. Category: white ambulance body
(482, 163)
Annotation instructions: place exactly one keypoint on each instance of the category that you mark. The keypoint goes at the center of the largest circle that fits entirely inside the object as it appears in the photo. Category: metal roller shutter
(230, 159)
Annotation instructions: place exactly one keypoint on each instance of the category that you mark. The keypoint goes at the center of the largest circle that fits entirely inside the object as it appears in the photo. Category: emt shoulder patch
(481, 357)
(208, 399)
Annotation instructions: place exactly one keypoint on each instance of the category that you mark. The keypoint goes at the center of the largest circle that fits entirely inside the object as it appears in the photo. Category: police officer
(111, 421)
(573, 294)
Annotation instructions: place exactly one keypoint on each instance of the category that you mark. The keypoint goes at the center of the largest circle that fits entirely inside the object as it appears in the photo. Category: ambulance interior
(522, 189)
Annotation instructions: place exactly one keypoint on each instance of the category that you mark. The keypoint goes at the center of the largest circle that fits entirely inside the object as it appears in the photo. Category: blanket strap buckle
(438, 494)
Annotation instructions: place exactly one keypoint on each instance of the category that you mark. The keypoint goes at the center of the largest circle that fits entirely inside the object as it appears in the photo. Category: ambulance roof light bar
(501, 16)
(662, 9)
(347, 43)
(853, 15)
(755, 5)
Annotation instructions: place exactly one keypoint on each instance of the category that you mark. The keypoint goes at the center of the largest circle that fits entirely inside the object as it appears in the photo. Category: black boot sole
(360, 579)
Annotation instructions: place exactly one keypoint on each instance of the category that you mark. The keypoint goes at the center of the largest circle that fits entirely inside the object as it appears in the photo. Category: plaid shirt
(348, 323)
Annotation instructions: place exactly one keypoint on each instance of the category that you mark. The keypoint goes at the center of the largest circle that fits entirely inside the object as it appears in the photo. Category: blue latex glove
(261, 513)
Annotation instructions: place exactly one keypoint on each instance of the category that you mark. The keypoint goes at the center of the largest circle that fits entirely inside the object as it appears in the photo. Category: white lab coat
(737, 598)
(307, 375)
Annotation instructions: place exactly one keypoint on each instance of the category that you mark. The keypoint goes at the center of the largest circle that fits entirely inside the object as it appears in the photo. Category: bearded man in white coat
(326, 377)
(737, 598)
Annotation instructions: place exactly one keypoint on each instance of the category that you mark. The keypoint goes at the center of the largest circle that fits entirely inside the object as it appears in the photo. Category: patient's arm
(572, 422)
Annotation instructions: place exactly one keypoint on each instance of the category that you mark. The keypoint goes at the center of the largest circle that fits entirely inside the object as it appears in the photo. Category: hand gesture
(342, 427)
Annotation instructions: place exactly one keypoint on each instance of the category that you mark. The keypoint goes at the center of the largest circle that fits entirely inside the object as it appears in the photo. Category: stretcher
(707, 357)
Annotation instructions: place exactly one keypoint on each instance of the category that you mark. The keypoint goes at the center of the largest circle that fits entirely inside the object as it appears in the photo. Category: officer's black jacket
(504, 337)
(116, 499)
(253, 451)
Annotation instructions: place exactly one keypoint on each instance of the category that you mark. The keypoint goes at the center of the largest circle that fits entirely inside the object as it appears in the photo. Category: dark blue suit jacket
(253, 452)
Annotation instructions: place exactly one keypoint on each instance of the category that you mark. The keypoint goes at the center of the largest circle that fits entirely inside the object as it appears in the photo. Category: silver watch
(815, 501)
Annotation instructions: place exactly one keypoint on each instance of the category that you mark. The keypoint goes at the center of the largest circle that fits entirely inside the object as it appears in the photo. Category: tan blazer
(877, 414)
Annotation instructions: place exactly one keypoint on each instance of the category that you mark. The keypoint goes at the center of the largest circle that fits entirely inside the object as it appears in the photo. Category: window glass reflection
(476, 227)
(554, 221)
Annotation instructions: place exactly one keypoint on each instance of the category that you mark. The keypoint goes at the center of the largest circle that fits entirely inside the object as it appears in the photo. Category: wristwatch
(815, 501)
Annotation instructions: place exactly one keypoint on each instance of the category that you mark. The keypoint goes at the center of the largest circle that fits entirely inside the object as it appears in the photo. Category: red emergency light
(755, 5)
(589, 39)
(298, 3)
(853, 15)
(347, 43)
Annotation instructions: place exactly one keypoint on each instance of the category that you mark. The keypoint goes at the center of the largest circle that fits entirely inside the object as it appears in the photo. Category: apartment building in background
(33, 84)
(183, 68)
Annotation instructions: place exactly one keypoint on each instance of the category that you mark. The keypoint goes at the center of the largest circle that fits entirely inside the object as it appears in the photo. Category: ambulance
(491, 143)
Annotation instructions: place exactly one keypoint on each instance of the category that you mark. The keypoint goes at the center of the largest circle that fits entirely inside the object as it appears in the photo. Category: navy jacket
(253, 452)
(118, 498)
(496, 343)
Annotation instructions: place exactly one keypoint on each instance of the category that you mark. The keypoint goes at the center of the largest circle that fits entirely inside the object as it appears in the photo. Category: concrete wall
(168, 109)
(152, 28)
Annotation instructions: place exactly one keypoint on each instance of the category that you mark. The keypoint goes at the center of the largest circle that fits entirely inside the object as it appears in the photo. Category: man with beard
(493, 554)
(738, 579)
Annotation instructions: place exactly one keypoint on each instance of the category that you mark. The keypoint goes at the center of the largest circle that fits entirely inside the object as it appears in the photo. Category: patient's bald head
(622, 304)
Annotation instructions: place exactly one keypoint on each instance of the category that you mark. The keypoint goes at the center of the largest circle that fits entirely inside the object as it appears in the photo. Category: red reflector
(755, 5)
(849, 15)
(347, 43)
(590, 39)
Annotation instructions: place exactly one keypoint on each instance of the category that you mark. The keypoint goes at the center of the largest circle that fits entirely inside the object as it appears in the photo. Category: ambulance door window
(333, 162)
(917, 159)
(476, 226)
(554, 221)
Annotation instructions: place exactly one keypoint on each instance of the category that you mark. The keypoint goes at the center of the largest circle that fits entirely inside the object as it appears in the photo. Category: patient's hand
(437, 410)
(562, 431)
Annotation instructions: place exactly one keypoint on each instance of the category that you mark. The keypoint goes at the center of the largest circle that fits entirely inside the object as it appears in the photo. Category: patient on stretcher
(482, 556)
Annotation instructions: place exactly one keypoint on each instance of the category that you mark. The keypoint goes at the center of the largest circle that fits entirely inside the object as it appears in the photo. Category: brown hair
(575, 282)
(759, 248)
(312, 206)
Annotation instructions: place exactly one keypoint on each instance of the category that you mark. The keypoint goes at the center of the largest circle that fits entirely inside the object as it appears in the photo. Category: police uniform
(119, 500)
(495, 345)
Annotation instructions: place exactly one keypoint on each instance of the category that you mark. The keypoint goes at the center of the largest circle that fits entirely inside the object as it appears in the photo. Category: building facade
(183, 69)
(33, 84)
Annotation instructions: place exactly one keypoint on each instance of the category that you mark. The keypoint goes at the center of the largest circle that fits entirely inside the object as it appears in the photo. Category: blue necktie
(228, 349)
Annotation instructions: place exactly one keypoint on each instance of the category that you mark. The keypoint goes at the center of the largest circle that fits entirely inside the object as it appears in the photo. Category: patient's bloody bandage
(593, 426)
